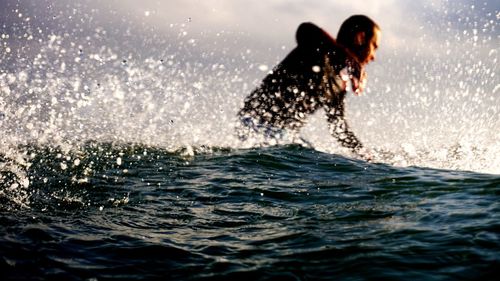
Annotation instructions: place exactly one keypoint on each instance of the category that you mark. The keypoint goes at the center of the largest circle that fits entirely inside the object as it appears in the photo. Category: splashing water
(62, 90)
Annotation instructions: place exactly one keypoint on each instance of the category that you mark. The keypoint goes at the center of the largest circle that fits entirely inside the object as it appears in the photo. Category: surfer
(314, 75)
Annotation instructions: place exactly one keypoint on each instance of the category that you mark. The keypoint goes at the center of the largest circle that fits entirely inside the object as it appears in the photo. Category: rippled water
(288, 213)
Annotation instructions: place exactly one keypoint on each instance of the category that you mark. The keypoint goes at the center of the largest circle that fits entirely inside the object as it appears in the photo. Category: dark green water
(279, 213)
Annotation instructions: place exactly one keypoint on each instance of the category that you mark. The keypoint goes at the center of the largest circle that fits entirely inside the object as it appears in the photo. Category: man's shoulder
(310, 35)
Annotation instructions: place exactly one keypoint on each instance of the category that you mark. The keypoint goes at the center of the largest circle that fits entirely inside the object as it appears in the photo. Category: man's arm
(340, 130)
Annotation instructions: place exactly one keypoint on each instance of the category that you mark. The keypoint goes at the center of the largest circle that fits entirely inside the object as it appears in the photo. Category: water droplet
(263, 67)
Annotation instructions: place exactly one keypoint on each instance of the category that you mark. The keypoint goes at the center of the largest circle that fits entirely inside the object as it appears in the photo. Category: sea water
(287, 213)
(117, 162)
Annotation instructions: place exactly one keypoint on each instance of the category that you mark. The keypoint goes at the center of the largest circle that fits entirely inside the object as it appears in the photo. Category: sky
(428, 29)
(269, 23)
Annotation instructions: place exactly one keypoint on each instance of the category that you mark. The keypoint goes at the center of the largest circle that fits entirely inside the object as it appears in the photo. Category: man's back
(295, 88)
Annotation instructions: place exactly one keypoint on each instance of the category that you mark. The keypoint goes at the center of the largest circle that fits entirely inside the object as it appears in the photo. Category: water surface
(289, 213)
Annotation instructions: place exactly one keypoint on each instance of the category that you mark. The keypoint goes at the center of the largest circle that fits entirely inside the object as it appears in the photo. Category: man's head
(360, 35)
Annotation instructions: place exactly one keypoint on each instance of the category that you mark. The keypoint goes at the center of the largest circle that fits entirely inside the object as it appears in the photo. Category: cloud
(270, 21)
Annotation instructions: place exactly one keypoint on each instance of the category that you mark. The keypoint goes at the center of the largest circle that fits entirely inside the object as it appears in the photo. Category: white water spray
(63, 88)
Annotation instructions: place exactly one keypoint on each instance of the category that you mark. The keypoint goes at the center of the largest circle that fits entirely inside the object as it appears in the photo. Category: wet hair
(350, 28)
